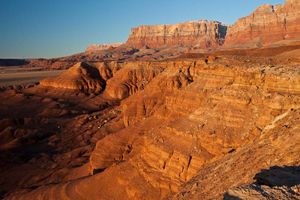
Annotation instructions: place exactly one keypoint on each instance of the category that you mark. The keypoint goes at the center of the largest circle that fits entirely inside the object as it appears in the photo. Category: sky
(54, 28)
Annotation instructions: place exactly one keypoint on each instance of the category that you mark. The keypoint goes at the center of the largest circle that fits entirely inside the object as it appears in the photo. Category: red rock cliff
(202, 33)
(266, 25)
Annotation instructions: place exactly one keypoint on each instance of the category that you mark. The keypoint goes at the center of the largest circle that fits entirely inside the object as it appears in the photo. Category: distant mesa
(100, 47)
(203, 33)
(268, 25)
(13, 62)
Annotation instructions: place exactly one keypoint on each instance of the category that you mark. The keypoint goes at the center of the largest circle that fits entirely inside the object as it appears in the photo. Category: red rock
(202, 33)
(81, 76)
(267, 25)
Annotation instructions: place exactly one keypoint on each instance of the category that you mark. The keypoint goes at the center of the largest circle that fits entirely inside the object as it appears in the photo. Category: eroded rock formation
(191, 127)
(81, 77)
(213, 118)
(267, 25)
(202, 33)
(274, 183)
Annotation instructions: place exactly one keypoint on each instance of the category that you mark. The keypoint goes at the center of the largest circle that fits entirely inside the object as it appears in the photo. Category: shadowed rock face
(274, 183)
(203, 34)
(13, 62)
(268, 24)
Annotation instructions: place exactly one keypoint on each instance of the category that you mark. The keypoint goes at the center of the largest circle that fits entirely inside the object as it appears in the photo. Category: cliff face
(204, 34)
(266, 25)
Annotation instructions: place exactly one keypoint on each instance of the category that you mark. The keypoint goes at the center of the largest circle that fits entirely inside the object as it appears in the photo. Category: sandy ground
(19, 77)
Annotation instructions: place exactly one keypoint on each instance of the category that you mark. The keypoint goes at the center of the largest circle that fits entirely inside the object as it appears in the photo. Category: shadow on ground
(286, 176)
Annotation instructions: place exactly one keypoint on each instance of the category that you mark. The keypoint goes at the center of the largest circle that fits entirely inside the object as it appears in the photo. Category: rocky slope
(204, 34)
(213, 118)
(81, 77)
(276, 148)
(267, 25)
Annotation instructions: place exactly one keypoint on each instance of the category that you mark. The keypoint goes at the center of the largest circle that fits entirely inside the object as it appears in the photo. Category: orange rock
(80, 77)
(268, 24)
(202, 33)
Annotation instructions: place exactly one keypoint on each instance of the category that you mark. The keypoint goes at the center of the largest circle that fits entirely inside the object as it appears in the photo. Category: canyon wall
(202, 33)
(267, 25)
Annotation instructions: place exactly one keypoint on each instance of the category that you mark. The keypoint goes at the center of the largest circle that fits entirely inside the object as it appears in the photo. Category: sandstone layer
(267, 25)
(81, 77)
(202, 33)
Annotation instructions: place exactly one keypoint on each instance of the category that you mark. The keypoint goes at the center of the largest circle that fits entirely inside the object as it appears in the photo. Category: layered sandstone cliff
(267, 25)
(202, 33)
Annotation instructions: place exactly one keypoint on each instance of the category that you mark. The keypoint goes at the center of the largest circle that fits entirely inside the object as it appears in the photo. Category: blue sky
(53, 28)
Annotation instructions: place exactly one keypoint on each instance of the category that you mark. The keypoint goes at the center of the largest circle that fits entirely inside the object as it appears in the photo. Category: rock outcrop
(202, 33)
(267, 25)
(240, 166)
(80, 77)
(274, 183)
(132, 78)
(263, 192)
(100, 47)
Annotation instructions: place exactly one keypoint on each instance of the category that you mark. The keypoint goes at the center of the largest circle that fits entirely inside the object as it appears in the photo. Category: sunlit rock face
(81, 77)
(202, 33)
(267, 25)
